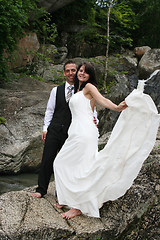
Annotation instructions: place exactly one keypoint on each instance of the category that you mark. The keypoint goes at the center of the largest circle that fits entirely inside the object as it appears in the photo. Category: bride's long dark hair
(89, 69)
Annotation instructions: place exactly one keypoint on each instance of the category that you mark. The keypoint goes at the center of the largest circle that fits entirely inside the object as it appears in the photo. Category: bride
(86, 178)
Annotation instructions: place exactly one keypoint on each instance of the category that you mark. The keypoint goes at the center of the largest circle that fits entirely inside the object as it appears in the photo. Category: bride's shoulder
(90, 86)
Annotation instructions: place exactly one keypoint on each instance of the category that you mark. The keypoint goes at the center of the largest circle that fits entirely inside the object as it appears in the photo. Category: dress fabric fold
(86, 178)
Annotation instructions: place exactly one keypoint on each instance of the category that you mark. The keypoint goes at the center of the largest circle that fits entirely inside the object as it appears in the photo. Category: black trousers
(53, 143)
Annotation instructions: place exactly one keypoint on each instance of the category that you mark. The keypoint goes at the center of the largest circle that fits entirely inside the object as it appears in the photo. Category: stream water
(17, 182)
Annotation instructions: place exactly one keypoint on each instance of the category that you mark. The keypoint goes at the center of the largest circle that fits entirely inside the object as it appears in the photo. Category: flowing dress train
(86, 178)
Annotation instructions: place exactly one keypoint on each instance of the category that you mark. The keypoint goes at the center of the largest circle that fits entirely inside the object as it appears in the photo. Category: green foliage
(2, 120)
(16, 19)
(98, 238)
(79, 13)
(45, 28)
(148, 14)
(13, 22)
(13, 19)
(123, 23)
(132, 22)
(93, 21)
(74, 13)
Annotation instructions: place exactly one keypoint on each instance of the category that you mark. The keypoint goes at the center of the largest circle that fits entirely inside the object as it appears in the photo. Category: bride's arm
(93, 91)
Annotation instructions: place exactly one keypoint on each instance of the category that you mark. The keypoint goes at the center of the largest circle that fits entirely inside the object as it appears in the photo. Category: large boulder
(54, 72)
(140, 51)
(52, 54)
(52, 5)
(152, 87)
(117, 93)
(133, 216)
(149, 63)
(27, 48)
(23, 103)
(122, 87)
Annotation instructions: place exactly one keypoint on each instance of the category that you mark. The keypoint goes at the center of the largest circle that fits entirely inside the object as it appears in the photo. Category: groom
(56, 123)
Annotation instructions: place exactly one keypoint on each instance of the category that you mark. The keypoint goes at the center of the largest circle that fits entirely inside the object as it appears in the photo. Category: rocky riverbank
(23, 102)
(133, 216)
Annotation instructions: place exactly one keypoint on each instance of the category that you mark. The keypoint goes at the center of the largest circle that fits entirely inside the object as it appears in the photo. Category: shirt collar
(67, 85)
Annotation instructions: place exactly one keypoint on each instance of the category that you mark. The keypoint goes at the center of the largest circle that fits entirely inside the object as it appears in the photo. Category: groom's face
(69, 72)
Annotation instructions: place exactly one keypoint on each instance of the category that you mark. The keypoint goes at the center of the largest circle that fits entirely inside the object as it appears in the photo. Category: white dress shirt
(51, 107)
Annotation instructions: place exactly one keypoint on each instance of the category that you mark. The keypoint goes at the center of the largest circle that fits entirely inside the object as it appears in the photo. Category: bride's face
(82, 75)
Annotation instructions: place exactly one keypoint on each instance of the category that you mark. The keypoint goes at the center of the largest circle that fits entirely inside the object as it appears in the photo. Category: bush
(13, 22)
(2, 120)
(18, 17)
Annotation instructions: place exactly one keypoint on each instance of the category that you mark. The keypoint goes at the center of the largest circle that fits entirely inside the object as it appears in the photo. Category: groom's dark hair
(92, 76)
(68, 62)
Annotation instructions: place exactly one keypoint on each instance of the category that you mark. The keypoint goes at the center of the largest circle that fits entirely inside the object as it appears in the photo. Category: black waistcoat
(62, 116)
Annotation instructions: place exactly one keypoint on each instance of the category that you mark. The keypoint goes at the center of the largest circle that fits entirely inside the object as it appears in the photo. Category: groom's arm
(49, 112)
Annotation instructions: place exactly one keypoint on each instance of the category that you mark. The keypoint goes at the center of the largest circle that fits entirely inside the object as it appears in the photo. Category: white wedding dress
(86, 178)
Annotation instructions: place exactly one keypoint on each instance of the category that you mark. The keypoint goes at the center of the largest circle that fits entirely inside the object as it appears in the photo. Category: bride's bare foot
(58, 206)
(71, 213)
(37, 195)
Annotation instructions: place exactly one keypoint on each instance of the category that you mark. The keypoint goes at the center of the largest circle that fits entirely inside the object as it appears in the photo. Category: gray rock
(52, 54)
(149, 63)
(25, 217)
(130, 63)
(118, 92)
(152, 87)
(133, 216)
(23, 104)
(140, 51)
(54, 72)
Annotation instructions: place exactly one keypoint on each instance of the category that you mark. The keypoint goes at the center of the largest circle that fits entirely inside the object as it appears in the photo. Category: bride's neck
(79, 86)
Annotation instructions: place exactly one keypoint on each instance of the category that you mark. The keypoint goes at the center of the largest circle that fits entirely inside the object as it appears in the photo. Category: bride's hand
(122, 106)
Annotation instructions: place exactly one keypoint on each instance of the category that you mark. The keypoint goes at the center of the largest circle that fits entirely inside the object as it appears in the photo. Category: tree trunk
(107, 48)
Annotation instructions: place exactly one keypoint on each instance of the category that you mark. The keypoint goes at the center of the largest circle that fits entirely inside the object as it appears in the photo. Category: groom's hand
(43, 136)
